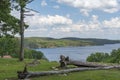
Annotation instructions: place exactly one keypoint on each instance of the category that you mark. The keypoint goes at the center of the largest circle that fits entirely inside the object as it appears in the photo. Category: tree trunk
(21, 57)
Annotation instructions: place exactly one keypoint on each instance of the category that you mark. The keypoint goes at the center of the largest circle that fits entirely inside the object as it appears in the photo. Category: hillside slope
(46, 42)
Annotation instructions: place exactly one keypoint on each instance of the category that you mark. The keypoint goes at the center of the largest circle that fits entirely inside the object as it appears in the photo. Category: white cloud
(85, 12)
(43, 24)
(48, 20)
(86, 6)
(43, 3)
(113, 23)
(93, 28)
(56, 6)
(60, 26)
(112, 10)
(82, 27)
(61, 29)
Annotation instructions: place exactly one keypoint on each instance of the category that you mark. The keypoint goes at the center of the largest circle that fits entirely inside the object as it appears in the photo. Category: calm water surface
(76, 53)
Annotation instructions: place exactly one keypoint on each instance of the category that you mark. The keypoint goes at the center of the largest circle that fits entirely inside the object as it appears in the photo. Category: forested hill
(46, 42)
(94, 40)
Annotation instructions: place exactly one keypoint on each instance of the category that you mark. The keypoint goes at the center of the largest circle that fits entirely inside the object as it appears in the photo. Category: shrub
(97, 57)
(30, 54)
(113, 57)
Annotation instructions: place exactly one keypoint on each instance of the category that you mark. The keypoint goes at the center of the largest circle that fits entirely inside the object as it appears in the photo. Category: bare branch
(32, 10)
(28, 14)
(30, 1)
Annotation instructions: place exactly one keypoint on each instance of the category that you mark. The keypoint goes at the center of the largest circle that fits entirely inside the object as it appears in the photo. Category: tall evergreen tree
(9, 25)
(22, 4)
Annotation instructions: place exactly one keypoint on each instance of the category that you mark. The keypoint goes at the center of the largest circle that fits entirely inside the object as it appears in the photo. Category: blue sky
(74, 18)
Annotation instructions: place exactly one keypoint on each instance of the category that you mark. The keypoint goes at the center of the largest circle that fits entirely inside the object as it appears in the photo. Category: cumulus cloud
(92, 28)
(86, 6)
(43, 3)
(113, 23)
(47, 20)
(93, 25)
(43, 24)
(61, 26)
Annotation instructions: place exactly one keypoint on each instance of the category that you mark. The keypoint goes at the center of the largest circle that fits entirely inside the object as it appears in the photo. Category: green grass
(9, 68)
(86, 75)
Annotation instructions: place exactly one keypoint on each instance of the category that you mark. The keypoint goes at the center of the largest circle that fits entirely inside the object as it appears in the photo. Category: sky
(74, 18)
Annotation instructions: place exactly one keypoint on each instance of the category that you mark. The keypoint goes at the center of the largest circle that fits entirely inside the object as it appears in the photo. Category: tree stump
(23, 74)
(63, 61)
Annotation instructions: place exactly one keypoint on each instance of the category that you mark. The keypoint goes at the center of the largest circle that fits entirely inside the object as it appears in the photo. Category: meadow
(9, 68)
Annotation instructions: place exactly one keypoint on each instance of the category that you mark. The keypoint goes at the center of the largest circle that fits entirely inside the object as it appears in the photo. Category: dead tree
(25, 74)
(64, 61)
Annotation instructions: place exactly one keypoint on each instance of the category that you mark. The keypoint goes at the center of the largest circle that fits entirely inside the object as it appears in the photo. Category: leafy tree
(30, 54)
(8, 45)
(113, 57)
(97, 57)
(10, 25)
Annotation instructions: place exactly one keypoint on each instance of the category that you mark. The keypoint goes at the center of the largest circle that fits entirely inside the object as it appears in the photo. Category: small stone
(65, 74)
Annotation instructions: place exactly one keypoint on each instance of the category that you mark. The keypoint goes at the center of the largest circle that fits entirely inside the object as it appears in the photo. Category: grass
(9, 68)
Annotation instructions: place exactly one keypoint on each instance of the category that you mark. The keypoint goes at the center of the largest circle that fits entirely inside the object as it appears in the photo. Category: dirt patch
(7, 56)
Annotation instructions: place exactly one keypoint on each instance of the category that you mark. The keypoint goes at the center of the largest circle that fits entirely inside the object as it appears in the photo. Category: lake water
(76, 53)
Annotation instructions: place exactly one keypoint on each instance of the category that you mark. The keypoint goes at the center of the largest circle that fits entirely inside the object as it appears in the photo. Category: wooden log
(64, 61)
(85, 64)
(26, 75)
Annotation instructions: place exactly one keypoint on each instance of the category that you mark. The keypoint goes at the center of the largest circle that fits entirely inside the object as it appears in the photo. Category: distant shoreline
(78, 46)
(44, 42)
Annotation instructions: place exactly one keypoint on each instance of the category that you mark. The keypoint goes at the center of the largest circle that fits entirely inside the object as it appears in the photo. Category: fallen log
(25, 75)
(64, 61)
(85, 64)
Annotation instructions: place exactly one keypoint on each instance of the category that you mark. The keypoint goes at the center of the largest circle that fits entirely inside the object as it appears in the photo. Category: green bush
(30, 54)
(8, 45)
(98, 57)
(113, 57)
(33, 54)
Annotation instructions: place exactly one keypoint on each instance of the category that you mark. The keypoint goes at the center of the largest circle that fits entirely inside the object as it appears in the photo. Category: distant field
(9, 68)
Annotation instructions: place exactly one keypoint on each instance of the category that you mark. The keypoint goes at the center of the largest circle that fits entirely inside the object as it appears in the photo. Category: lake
(76, 53)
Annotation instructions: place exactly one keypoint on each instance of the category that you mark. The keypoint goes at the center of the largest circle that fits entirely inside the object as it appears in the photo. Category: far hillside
(94, 40)
(46, 42)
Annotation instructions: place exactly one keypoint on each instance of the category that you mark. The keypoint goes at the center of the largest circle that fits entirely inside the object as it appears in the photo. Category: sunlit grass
(9, 68)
